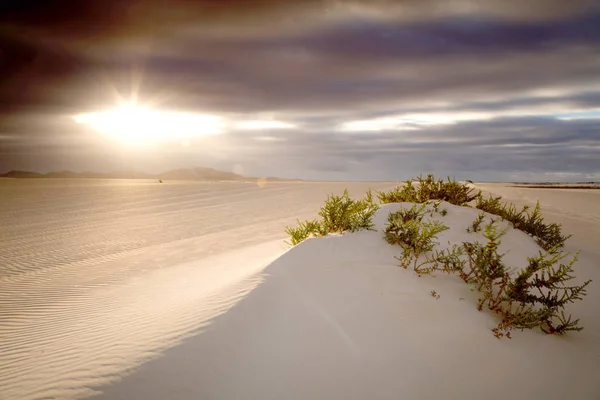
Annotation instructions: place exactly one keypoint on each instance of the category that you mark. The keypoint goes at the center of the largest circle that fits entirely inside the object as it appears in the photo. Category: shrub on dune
(429, 189)
(548, 236)
(407, 229)
(535, 297)
(338, 214)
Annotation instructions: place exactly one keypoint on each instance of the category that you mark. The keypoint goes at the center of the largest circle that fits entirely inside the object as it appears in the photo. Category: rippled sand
(336, 318)
(99, 276)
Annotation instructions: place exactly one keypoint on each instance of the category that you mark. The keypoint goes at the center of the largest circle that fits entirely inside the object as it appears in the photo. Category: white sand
(99, 276)
(336, 318)
(333, 318)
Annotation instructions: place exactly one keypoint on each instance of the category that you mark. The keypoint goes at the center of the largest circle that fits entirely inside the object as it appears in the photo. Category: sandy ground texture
(336, 318)
(99, 276)
(333, 318)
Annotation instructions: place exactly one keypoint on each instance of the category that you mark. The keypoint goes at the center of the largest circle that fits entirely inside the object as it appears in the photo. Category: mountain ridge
(194, 174)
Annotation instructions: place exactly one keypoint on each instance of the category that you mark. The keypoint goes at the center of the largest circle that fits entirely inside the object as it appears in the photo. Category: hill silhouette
(195, 174)
(21, 174)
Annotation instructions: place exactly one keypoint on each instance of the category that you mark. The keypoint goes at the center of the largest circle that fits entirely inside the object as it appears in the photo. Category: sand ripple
(96, 277)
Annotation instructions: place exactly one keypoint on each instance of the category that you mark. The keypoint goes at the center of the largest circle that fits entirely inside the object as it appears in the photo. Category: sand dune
(336, 318)
(59, 345)
(98, 277)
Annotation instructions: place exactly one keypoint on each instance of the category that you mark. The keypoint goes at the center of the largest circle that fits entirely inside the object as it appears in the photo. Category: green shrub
(338, 214)
(436, 207)
(342, 213)
(303, 231)
(549, 280)
(548, 236)
(429, 189)
(405, 228)
(450, 260)
(476, 225)
(536, 297)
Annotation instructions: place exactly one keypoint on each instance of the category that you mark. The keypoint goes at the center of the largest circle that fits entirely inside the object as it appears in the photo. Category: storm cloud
(343, 90)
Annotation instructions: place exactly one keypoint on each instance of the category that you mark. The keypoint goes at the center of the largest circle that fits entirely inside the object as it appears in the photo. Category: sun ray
(132, 124)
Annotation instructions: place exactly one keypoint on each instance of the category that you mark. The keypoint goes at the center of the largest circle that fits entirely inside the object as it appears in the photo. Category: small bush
(543, 276)
(405, 228)
(450, 260)
(338, 214)
(536, 297)
(476, 225)
(485, 266)
(429, 189)
(436, 208)
(548, 236)
(342, 213)
(303, 231)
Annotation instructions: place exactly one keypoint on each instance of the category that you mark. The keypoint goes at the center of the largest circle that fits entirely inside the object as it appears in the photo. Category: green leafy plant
(405, 228)
(436, 207)
(476, 225)
(338, 214)
(485, 266)
(535, 297)
(547, 281)
(450, 260)
(548, 236)
(342, 213)
(428, 189)
(303, 231)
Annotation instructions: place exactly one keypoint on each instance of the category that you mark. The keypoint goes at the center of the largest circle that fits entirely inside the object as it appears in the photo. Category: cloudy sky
(316, 89)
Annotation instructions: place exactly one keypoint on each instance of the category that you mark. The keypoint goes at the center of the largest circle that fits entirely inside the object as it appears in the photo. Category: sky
(495, 90)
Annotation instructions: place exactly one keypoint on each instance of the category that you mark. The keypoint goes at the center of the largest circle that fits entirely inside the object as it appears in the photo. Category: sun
(135, 124)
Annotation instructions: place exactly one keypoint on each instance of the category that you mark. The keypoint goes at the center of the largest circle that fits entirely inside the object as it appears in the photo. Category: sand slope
(336, 318)
(100, 276)
(104, 284)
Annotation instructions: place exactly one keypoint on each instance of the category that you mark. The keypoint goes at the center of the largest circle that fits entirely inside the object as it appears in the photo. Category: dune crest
(336, 318)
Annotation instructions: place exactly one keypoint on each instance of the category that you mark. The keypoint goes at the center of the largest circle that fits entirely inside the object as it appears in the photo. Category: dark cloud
(473, 148)
(503, 70)
(94, 16)
(450, 37)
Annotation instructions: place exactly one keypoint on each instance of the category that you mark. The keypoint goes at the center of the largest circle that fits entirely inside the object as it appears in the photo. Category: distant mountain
(114, 175)
(21, 174)
(204, 174)
(62, 174)
(196, 174)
